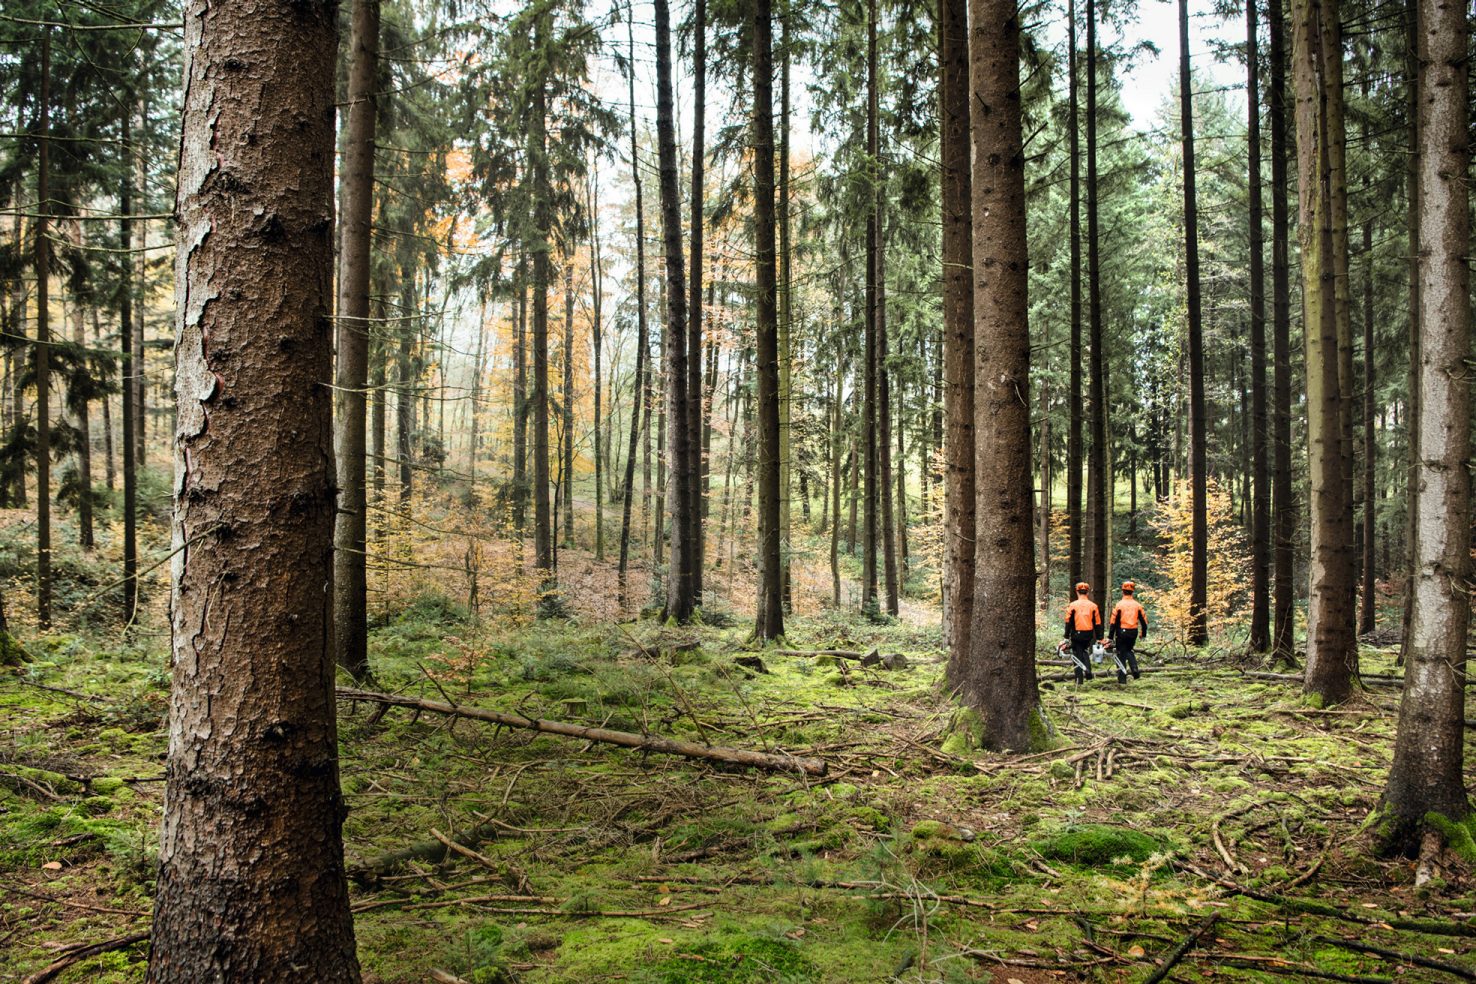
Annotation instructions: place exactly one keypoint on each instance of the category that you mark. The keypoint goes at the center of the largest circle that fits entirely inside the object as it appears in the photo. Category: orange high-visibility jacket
(1082, 615)
(1128, 614)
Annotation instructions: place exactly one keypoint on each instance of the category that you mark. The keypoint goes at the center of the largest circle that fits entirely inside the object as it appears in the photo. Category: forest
(749, 491)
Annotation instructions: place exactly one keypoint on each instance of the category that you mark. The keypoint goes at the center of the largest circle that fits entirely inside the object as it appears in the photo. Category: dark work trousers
(1081, 654)
(1126, 640)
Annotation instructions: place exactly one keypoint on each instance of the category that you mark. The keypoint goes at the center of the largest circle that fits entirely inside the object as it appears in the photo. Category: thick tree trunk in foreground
(1198, 453)
(958, 330)
(1317, 75)
(997, 677)
(1283, 502)
(1260, 627)
(680, 601)
(1412, 416)
(251, 878)
(1426, 775)
(350, 534)
(769, 620)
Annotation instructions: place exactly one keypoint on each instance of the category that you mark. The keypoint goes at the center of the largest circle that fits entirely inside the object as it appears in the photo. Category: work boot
(1122, 677)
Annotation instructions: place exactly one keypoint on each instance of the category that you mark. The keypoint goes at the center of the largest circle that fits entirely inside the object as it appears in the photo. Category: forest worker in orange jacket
(1129, 624)
(1083, 628)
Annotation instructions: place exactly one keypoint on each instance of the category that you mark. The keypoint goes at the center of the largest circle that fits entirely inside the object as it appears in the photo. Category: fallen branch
(435, 851)
(1178, 952)
(837, 653)
(646, 743)
(51, 970)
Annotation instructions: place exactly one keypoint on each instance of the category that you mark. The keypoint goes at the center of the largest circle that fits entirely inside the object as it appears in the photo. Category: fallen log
(77, 954)
(646, 743)
(837, 653)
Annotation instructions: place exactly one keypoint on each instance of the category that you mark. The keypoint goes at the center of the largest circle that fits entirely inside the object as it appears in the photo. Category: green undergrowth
(917, 858)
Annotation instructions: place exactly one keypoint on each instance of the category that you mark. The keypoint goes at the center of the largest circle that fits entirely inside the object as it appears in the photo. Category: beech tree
(251, 872)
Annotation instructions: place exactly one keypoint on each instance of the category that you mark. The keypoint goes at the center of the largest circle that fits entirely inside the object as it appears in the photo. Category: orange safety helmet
(1082, 587)
(1128, 587)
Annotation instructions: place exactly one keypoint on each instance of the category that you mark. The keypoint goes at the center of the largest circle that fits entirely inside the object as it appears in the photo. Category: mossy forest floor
(1198, 802)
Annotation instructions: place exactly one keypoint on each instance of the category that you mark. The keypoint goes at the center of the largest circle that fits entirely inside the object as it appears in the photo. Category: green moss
(1097, 846)
(1458, 834)
(732, 960)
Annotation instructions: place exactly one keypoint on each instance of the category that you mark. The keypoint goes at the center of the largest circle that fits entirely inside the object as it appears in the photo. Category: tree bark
(997, 677)
(1198, 453)
(639, 384)
(597, 342)
(43, 342)
(958, 330)
(1283, 501)
(356, 206)
(251, 871)
(696, 417)
(1412, 416)
(769, 620)
(1317, 74)
(1075, 564)
(1260, 628)
(1426, 775)
(128, 409)
(520, 403)
(870, 502)
(1367, 612)
(680, 602)
(83, 420)
(543, 532)
(786, 313)
(1098, 492)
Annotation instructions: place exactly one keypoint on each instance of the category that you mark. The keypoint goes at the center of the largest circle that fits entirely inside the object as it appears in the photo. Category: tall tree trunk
(566, 394)
(680, 601)
(786, 313)
(1198, 453)
(901, 478)
(1043, 518)
(1367, 614)
(351, 377)
(379, 413)
(836, 436)
(140, 279)
(43, 343)
(251, 872)
(698, 433)
(1317, 74)
(958, 331)
(82, 419)
(870, 362)
(639, 383)
(520, 403)
(1426, 776)
(1098, 492)
(1413, 417)
(997, 677)
(1260, 628)
(769, 620)
(543, 532)
(405, 381)
(886, 522)
(1284, 508)
(110, 467)
(1075, 447)
(130, 368)
(597, 343)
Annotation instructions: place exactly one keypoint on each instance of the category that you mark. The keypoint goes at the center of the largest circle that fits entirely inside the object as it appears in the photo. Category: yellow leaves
(1228, 561)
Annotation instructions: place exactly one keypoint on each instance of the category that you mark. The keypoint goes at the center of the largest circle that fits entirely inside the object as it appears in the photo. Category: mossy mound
(1097, 846)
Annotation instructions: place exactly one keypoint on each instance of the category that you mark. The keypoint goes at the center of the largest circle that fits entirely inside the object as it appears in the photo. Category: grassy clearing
(1194, 792)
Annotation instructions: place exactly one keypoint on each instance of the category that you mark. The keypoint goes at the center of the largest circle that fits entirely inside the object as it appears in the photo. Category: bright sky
(1153, 79)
